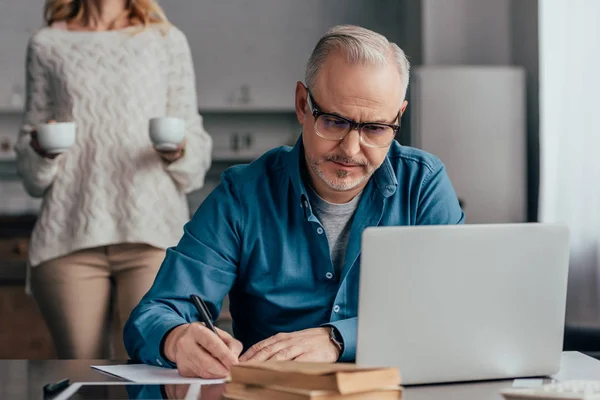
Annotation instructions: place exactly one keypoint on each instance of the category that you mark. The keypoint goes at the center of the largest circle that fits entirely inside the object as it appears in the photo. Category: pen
(203, 311)
(53, 388)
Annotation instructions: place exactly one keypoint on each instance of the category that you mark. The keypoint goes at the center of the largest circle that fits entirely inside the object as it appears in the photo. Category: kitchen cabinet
(23, 332)
(18, 21)
(245, 146)
(249, 54)
(240, 138)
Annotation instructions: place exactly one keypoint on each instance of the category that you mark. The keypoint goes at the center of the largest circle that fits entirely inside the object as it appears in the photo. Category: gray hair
(360, 46)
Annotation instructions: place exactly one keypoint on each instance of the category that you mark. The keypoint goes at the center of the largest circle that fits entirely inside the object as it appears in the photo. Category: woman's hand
(172, 155)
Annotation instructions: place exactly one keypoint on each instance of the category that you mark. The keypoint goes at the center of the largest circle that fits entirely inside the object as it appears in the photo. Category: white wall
(569, 142)
(473, 32)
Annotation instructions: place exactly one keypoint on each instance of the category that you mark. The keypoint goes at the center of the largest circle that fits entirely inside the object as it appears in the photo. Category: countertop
(24, 379)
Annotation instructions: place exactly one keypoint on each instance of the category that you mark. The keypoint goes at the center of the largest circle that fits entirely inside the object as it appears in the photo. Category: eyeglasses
(333, 127)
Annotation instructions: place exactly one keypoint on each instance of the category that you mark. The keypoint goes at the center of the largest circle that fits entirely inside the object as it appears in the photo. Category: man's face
(362, 93)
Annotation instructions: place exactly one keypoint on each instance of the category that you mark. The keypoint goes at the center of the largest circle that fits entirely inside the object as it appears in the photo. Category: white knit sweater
(111, 186)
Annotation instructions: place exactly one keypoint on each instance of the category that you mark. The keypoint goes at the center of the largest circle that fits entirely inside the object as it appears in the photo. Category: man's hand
(198, 352)
(172, 155)
(310, 345)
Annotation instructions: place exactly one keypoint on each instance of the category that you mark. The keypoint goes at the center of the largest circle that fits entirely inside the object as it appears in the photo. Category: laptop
(454, 303)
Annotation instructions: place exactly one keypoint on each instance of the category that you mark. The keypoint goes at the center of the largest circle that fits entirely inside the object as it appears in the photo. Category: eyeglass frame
(316, 113)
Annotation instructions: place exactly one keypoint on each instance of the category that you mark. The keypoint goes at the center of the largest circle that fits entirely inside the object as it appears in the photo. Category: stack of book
(290, 380)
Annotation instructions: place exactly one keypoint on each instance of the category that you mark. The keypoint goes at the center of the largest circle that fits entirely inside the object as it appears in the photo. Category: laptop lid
(463, 302)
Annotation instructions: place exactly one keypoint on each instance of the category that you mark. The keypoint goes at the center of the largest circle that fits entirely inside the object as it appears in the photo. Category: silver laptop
(463, 302)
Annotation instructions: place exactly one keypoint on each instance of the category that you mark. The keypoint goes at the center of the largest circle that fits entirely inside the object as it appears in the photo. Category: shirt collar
(384, 177)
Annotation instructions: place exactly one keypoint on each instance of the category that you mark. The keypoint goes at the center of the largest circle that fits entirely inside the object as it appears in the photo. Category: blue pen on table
(204, 313)
(53, 388)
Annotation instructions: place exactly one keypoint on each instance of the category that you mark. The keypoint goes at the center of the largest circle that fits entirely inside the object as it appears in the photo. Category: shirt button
(329, 275)
(320, 230)
(305, 203)
(336, 308)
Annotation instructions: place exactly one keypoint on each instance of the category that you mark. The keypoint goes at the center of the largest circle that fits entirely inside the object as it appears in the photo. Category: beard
(342, 180)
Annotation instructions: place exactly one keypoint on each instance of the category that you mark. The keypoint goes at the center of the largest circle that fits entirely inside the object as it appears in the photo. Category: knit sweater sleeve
(189, 171)
(37, 172)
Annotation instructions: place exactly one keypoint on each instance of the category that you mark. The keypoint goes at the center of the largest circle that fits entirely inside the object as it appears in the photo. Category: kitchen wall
(248, 56)
(472, 32)
(244, 108)
(490, 32)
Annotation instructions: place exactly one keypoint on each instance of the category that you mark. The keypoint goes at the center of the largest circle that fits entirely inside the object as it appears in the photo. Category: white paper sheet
(142, 373)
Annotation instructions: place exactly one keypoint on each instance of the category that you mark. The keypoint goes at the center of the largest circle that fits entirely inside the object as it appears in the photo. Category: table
(23, 379)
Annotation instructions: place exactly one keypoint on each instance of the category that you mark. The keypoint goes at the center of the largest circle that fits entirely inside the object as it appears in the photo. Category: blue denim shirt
(256, 238)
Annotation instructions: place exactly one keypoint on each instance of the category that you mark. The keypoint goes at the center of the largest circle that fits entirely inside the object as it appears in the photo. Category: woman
(112, 203)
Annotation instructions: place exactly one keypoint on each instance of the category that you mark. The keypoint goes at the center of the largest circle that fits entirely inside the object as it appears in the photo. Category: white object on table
(571, 390)
(149, 374)
(527, 383)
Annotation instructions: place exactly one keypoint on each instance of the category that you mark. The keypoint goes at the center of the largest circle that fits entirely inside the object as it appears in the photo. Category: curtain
(569, 34)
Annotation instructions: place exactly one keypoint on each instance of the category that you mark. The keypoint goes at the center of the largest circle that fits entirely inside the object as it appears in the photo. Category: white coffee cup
(57, 137)
(167, 133)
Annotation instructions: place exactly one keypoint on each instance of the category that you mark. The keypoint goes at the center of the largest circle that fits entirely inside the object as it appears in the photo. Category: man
(282, 234)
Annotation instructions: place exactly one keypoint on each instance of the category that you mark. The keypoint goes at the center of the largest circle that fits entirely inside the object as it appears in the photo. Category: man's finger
(256, 348)
(210, 367)
(234, 345)
(197, 362)
(268, 351)
(264, 344)
(287, 353)
(214, 345)
(224, 334)
(307, 357)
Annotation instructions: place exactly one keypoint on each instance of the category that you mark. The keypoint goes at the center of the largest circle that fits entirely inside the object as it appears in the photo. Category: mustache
(345, 160)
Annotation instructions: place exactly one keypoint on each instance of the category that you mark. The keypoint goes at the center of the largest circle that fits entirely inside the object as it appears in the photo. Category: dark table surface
(23, 379)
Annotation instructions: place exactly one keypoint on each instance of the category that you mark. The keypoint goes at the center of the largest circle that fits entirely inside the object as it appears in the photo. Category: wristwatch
(336, 338)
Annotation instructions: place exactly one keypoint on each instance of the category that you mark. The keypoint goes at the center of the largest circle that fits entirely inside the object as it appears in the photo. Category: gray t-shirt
(337, 221)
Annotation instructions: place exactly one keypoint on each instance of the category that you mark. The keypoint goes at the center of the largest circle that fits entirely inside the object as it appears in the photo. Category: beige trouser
(74, 295)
